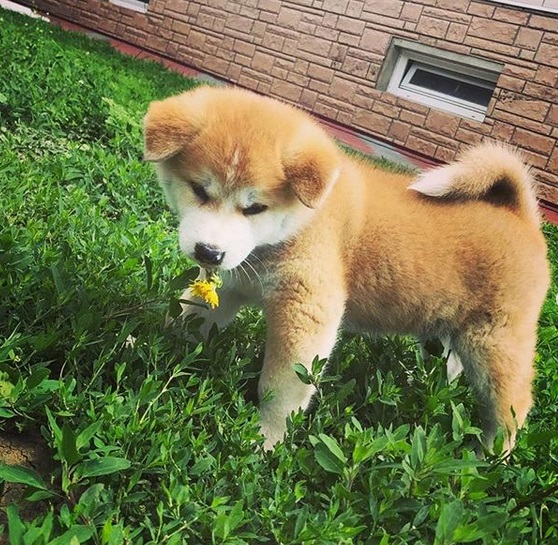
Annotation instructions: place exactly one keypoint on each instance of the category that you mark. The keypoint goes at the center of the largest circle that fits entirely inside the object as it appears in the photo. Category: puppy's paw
(272, 433)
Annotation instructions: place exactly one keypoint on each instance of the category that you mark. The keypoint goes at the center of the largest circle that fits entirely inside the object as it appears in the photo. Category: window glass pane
(452, 87)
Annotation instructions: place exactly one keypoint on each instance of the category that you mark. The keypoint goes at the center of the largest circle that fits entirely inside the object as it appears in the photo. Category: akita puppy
(321, 240)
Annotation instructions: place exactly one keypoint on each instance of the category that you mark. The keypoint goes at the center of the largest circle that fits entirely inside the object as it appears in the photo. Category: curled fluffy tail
(491, 172)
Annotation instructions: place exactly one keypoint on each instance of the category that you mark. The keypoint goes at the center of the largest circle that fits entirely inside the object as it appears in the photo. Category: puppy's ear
(170, 124)
(312, 169)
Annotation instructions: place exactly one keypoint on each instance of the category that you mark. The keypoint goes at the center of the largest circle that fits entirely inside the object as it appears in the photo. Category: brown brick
(436, 138)
(288, 17)
(502, 131)
(356, 67)
(442, 123)
(335, 6)
(467, 136)
(399, 131)
(262, 62)
(389, 8)
(523, 122)
(389, 110)
(511, 15)
(483, 128)
(491, 49)
(319, 86)
(372, 122)
(244, 48)
(547, 54)
(553, 161)
(454, 5)
(447, 15)
(547, 191)
(286, 90)
(328, 33)
(308, 98)
(342, 89)
(553, 115)
(325, 110)
(269, 5)
(527, 55)
(482, 10)
(456, 32)
(240, 23)
(411, 12)
(528, 38)
(532, 109)
(511, 83)
(350, 26)
(522, 72)
(535, 159)
(421, 145)
(321, 73)
(432, 27)
(541, 91)
(375, 41)
(544, 22)
(355, 8)
(533, 141)
(445, 155)
(412, 118)
(495, 30)
(301, 67)
(317, 46)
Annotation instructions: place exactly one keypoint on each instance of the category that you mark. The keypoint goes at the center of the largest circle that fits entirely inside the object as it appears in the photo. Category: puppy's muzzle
(208, 255)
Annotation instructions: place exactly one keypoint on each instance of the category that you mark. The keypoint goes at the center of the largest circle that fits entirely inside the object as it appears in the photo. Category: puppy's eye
(253, 209)
(200, 192)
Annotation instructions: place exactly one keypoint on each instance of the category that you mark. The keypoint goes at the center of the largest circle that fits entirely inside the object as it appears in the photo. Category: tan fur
(459, 257)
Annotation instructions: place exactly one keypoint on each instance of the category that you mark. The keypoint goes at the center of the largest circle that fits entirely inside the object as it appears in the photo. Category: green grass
(158, 442)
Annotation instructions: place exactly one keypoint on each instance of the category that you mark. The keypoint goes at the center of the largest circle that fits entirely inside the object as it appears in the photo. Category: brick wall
(326, 55)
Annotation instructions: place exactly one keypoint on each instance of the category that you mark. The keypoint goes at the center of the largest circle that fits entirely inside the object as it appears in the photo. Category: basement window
(134, 5)
(457, 84)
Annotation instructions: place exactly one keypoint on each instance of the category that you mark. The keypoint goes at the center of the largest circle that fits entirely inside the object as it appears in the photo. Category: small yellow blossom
(207, 289)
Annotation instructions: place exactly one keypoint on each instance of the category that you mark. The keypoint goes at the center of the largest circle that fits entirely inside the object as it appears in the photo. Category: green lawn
(158, 442)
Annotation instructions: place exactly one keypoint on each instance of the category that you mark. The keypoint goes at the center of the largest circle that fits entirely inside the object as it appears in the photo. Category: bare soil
(29, 450)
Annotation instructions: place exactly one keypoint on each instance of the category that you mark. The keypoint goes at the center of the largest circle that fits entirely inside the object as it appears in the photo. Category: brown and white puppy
(322, 241)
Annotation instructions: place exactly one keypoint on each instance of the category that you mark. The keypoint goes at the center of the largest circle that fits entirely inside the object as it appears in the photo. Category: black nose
(208, 255)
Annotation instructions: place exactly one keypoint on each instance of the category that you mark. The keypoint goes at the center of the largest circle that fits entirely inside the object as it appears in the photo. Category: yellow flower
(207, 289)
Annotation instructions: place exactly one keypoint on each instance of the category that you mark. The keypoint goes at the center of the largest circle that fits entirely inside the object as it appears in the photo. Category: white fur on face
(221, 223)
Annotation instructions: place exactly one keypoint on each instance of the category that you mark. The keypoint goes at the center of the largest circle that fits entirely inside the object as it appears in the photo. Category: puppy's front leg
(301, 325)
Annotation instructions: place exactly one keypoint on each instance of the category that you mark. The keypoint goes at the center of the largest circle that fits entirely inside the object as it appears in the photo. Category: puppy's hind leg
(499, 365)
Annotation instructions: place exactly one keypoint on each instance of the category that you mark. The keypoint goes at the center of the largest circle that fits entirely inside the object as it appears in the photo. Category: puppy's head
(240, 170)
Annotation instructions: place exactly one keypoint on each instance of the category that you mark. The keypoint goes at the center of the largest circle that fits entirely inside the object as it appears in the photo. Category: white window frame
(134, 5)
(404, 57)
(407, 65)
(534, 7)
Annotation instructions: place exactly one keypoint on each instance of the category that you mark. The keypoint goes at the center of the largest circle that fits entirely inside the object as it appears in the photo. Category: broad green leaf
(75, 535)
(327, 459)
(15, 526)
(37, 376)
(302, 373)
(21, 475)
(333, 447)
(101, 466)
(68, 449)
(447, 523)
